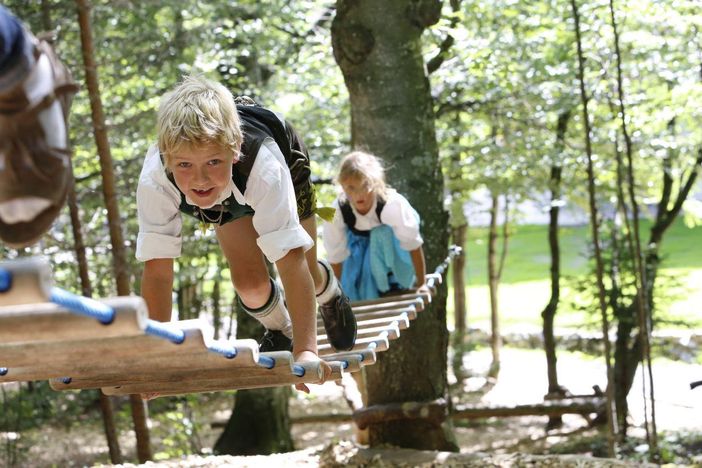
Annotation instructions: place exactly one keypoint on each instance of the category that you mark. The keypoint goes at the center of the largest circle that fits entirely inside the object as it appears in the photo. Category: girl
(373, 243)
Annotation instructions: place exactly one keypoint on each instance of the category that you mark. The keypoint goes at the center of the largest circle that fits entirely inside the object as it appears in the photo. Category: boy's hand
(309, 356)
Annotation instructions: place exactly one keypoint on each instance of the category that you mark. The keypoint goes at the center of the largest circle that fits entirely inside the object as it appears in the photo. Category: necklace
(206, 222)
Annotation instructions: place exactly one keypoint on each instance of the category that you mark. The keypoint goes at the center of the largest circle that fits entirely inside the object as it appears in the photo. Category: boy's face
(358, 193)
(202, 171)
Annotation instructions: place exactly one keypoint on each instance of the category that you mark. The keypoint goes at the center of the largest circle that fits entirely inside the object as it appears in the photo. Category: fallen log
(583, 405)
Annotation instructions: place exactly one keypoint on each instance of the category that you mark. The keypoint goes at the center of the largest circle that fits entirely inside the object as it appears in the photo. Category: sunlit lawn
(525, 286)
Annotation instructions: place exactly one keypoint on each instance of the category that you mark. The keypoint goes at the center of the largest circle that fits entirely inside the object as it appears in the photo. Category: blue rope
(266, 361)
(5, 280)
(298, 370)
(344, 364)
(83, 305)
(3, 370)
(63, 380)
(226, 350)
(163, 330)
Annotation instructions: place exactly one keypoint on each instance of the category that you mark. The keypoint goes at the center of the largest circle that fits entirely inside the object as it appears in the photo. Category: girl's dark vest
(257, 124)
(350, 218)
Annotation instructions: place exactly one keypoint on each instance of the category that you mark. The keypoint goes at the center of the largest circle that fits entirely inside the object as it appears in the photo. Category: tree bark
(643, 309)
(549, 312)
(119, 260)
(379, 50)
(493, 285)
(106, 410)
(594, 224)
(459, 282)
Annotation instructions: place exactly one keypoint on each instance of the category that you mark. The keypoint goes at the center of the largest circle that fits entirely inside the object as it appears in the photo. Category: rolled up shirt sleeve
(270, 192)
(404, 221)
(160, 222)
(334, 235)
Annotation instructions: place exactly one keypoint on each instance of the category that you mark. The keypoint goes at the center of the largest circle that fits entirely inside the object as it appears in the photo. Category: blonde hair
(365, 167)
(197, 111)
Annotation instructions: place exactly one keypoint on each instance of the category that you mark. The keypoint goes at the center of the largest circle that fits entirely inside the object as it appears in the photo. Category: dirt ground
(507, 441)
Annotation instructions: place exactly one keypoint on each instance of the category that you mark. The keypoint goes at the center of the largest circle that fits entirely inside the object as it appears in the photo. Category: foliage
(497, 97)
(177, 427)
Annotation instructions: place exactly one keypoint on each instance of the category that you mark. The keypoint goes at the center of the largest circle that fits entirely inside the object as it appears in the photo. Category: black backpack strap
(258, 123)
(379, 207)
(347, 215)
(350, 218)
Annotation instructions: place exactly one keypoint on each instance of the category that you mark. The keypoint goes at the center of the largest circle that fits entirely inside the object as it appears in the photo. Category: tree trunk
(549, 312)
(260, 421)
(106, 410)
(379, 50)
(459, 282)
(594, 224)
(139, 410)
(493, 284)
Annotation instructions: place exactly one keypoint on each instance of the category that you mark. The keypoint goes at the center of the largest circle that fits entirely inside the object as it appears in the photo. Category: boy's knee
(254, 294)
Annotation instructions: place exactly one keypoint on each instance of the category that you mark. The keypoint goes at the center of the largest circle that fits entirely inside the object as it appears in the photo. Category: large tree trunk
(549, 312)
(379, 50)
(139, 410)
(260, 421)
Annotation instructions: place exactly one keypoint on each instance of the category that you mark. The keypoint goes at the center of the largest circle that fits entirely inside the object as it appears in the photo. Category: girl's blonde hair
(198, 111)
(367, 168)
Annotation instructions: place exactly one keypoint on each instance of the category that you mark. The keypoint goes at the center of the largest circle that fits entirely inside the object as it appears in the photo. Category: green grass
(525, 285)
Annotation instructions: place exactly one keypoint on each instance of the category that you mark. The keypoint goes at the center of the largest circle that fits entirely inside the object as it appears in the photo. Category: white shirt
(269, 191)
(397, 213)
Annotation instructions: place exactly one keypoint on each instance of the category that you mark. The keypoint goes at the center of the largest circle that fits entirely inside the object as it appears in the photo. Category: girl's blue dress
(376, 264)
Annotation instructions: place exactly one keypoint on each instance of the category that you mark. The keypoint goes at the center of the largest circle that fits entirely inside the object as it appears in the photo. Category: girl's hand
(309, 356)
(424, 289)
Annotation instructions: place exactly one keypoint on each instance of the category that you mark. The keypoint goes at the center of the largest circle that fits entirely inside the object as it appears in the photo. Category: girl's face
(202, 171)
(359, 193)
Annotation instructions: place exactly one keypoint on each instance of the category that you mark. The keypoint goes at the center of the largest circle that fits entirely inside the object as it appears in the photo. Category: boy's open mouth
(203, 193)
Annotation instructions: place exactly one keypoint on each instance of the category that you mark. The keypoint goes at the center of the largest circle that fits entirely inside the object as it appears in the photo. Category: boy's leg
(35, 94)
(259, 295)
(334, 306)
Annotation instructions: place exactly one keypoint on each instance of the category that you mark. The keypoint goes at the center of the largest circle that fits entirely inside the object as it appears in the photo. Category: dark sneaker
(339, 322)
(35, 174)
(274, 340)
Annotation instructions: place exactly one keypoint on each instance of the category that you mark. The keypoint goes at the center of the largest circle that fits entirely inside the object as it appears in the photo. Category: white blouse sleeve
(158, 201)
(270, 192)
(334, 237)
(404, 221)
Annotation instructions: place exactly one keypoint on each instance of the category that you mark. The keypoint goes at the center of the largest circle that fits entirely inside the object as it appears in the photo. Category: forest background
(504, 78)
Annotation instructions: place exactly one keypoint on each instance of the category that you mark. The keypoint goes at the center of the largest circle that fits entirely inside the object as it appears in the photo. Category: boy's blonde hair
(365, 167)
(198, 111)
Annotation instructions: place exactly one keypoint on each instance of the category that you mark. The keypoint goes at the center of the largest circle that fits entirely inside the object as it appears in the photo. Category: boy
(246, 171)
(35, 168)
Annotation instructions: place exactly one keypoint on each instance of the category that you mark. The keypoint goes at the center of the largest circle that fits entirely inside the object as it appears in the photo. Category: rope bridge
(75, 342)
